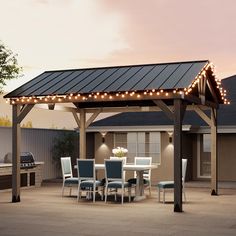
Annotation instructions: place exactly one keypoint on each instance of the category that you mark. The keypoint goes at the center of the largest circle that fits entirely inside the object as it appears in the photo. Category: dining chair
(124, 159)
(146, 173)
(163, 185)
(115, 179)
(67, 175)
(87, 178)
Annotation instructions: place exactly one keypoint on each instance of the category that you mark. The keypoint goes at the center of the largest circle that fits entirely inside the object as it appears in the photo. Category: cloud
(169, 30)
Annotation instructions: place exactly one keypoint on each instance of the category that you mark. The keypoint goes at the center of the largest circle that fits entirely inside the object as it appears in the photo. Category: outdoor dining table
(139, 192)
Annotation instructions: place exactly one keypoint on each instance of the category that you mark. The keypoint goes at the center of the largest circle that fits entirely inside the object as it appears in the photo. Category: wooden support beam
(16, 141)
(24, 111)
(82, 134)
(92, 118)
(77, 120)
(202, 114)
(179, 110)
(214, 153)
(167, 110)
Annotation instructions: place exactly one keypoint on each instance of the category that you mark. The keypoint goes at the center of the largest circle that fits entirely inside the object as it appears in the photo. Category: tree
(64, 145)
(9, 68)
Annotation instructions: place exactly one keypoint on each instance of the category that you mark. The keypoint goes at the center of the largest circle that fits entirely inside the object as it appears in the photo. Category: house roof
(138, 84)
(226, 113)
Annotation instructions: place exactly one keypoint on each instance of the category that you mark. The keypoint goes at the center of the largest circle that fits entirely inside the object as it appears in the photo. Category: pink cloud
(164, 30)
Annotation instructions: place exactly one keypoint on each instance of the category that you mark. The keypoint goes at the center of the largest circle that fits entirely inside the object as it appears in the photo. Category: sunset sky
(63, 34)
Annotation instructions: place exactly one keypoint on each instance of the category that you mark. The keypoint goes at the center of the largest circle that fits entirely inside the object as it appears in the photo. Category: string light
(207, 72)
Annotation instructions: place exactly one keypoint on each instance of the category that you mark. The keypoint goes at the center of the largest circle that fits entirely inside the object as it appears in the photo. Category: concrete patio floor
(42, 211)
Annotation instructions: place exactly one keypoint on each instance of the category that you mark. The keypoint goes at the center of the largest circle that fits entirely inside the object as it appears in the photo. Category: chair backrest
(184, 167)
(86, 169)
(66, 167)
(114, 169)
(144, 161)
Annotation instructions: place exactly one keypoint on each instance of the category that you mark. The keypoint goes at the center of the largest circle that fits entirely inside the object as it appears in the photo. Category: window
(140, 144)
(204, 156)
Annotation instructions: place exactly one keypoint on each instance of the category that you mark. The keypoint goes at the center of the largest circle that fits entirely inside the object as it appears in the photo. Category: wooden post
(214, 153)
(82, 134)
(178, 117)
(16, 141)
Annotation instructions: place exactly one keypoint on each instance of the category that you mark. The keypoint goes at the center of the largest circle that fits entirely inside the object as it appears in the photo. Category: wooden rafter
(167, 110)
(202, 114)
(92, 118)
(202, 89)
(77, 120)
(23, 112)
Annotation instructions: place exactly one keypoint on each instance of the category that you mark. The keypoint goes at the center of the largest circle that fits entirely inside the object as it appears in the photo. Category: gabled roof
(112, 79)
(122, 83)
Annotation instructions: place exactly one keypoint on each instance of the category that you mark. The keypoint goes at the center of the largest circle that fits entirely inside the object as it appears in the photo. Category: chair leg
(78, 193)
(102, 193)
(129, 191)
(94, 191)
(116, 194)
(62, 192)
(159, 194)
(150, 190)
(163, 195)
(122, 196)
(70, 190)
(106, 194)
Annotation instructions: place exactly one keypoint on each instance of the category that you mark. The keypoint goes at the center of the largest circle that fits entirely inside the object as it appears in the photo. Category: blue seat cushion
(166, 184)
(118, 184)
(72, 180)
(89, 183)
(134, 181)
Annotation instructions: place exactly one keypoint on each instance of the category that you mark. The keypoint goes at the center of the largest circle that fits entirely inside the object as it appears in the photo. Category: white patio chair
(163, 185)
(67, 175)
(146, 174)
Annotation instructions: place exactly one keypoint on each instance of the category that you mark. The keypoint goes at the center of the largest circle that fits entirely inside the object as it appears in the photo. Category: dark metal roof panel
(74, 82)
(148, 78)
(176, 76)
(43, 82)
(22, 89)
(108, 81)
(119, 82)
(48, 88)
(86, 82)
(93, 85)
(130, 84)
(190, 75)
(112, 79)
(64, 82)
(163, 76)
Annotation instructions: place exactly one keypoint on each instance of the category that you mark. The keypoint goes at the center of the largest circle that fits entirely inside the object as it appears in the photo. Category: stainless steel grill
(26, 160)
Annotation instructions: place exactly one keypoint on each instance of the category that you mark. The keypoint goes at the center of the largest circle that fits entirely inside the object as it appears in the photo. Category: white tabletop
(130, 167)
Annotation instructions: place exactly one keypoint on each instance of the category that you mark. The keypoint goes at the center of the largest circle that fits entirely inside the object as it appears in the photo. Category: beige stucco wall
(164, 171)
(227, 157)
(226, 150)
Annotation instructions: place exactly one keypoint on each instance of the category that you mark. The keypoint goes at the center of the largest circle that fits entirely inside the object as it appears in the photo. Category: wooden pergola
(168, 87)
